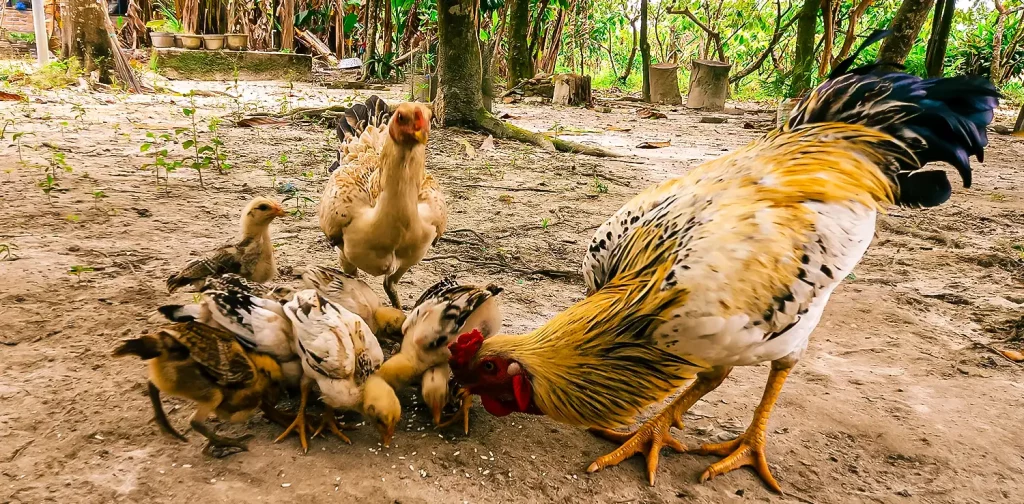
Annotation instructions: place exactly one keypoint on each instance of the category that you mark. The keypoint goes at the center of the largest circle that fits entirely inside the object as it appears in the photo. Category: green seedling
(7, 249)
(78, 270)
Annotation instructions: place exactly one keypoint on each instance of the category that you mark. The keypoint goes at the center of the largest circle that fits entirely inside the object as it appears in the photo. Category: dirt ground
(900, 397)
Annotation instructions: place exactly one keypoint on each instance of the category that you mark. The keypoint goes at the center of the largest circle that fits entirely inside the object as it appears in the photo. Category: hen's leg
(217, 446)
(299, 424)
(656, 433)
(391, 287)
(748, 449)
(330, 421)
(467, 403)
(159, 416)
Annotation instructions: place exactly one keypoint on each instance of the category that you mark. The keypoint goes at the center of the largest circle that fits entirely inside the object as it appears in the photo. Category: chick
(355, 296)
(209, 367)
(252, 257)
(339, 354)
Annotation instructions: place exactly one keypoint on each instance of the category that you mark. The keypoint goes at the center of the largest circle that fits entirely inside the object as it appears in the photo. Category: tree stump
(1019, 125)
(571, 89)
(709, 85)
(665, 84)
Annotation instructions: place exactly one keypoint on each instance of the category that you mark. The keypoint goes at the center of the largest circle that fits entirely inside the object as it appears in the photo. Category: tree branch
(780, 29)
(502, 129)
(714, 35)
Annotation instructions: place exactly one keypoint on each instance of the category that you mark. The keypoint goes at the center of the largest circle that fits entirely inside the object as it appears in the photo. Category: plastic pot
(213, 42)
(237, 41)
(162, 40)
(191, 41)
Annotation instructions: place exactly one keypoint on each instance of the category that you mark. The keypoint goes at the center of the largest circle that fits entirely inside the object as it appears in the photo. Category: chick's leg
(330, 421)
(748, 449)
(299, 424)
(159, 416)
(656, 433)
(217, 446)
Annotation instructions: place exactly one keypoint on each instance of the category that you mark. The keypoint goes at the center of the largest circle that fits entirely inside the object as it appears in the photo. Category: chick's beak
(386, 434)
(279, 212)
(436, 409)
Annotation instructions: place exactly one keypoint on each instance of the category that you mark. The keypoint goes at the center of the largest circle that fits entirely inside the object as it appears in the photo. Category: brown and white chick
(339, 354)
(251, 257)
(380, 209)
(357, 297)
(209, 367)
(443, 312)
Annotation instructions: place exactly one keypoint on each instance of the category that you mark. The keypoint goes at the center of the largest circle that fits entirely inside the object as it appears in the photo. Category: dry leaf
(506, 115)
(618, 128)
(506, 199)
(5, 96)
(1013, 355)
(488, 144)
(470, 151)
(250, 122)
(650, 114)
(654, 145)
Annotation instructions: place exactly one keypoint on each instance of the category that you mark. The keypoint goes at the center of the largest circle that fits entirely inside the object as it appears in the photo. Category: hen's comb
(465, 348)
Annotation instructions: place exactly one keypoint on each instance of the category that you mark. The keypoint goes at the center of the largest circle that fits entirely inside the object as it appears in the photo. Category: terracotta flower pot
(162, 39)
(237, 41)
(191, 41)
(213, 42)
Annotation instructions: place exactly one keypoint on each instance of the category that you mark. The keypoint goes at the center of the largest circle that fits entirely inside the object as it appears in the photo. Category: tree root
(502, 129)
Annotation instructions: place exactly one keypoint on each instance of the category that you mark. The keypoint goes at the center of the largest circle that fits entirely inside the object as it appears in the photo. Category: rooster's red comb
(465, 348)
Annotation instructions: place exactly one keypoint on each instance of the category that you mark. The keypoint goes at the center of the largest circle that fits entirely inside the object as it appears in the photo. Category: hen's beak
(421, 136)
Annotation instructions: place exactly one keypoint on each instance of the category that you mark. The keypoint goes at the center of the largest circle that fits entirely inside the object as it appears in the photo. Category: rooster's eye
(489, 367)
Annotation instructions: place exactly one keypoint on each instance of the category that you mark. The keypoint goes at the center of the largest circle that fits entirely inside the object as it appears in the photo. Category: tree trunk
(339, 29)
(665, 84)
(905, 27)
(89, 37)
(851, 29)
(942, 22)
(632, 54)
(571, 89)
(1019, 125)
(536, 27)
(828, 38)
(804, 58)
(709, 85)
(519, 61)
(387, 28)
(996, 72)
(459, 97)
(645, 52)
(288, 25)
(370, 34)
(550, 56)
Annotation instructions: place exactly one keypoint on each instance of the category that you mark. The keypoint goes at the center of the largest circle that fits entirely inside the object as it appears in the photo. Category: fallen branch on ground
(550, 273)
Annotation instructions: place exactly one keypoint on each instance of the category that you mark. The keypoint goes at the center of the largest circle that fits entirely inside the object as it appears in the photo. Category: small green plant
(268, 167)
(58, 161)
(73, 218)
(200, 160)
(48, 185)
(98, 196)
(599, 186)
(170, 23)
(300, 200)
(63, 126)
(1019, 249)
(78, 270)
(283, 105)
(383, 67)
(16, 137)
(216, 144)
(544, 223)
(160, 159)
(79, 111)
(7, 249)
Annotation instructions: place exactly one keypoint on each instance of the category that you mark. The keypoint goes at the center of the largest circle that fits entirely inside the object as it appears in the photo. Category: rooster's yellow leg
(299, 424)
(330, 421)
(467, 403)
(748, 449)
(656, 432)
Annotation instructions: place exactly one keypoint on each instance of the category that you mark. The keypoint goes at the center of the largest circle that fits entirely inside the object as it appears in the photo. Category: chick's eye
(489, 367)
(263, 207)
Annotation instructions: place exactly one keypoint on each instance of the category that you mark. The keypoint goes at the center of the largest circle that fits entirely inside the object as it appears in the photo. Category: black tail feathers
(374, 112)
(146, 347)
(935, 119)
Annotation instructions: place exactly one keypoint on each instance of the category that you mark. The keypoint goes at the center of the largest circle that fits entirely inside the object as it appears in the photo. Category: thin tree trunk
(829, 21)
(388, 27)
(535, 28)
(996, 71)
(804, 58)
(288, 24)
(905, 26)
(851, 29)
(547, 62)
(459, 96)
(632, 54)
(519, 61)
(645, 52)
(370, 34)
(339, 29)
(942, 23)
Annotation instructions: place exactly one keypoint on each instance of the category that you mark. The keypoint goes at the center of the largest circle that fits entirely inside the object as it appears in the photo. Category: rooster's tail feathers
(936, 119)
(374, 112)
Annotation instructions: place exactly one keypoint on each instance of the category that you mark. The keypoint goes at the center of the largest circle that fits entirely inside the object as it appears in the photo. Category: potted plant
(164, 30)
(213, 42)
(237, 41)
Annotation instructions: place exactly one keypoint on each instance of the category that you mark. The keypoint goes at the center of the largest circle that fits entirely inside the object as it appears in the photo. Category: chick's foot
(463, 413)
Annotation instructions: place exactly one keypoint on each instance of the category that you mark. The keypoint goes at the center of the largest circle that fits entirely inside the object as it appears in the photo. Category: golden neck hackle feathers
(597, 364)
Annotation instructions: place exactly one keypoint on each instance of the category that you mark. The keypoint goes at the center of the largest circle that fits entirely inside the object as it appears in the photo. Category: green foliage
(28, 38)
(7, 249)
(78, 270)
(382, 67)
(170, 22)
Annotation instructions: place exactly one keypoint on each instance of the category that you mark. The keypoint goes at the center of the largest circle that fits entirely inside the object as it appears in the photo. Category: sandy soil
(897, 400)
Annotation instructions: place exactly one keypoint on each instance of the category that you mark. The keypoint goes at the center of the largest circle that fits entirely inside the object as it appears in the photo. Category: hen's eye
(489, 366)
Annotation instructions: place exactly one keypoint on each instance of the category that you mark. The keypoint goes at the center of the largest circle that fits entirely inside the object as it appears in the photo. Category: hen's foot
(299, 426)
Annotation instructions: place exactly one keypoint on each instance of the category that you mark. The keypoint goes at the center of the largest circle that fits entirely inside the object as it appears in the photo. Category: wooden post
(339, 29)
(571, 89)
(42, 39)
(709, 85)
(288, 25)
(665, 84)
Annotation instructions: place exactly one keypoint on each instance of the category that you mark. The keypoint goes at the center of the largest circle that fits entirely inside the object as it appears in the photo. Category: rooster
(732, 265)
(380, 208)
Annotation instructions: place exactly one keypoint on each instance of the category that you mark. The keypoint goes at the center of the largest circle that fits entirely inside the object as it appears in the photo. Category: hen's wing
(433, 206)
(347, 290)
(323, 340)
(446, 309)
(226, 259)
(216, 352)
(231, 281)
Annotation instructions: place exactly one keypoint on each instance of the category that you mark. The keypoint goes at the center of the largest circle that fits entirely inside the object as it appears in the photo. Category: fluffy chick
(252, 257)
(209, 367)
